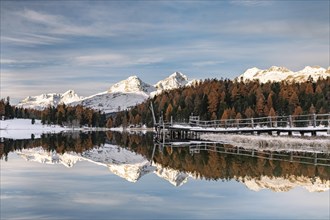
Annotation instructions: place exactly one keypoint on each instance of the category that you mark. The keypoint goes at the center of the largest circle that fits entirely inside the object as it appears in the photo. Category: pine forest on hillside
(225, 99)
(210, 99)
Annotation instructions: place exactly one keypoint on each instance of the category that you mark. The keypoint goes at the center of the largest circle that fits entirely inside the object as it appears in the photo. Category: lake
(111, 175)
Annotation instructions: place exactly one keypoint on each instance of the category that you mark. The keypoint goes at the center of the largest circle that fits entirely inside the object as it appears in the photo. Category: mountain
(278, 74)
(174, 81)
(53, 99)
(132, 84)
(120, 96)
(130, 92)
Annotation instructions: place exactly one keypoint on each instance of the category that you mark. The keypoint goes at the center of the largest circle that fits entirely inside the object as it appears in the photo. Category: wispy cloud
(207, 63)
(115, 60)
(31, 40)
(251, 3)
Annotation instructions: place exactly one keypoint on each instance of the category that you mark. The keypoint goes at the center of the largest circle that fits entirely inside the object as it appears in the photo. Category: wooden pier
(275, 125)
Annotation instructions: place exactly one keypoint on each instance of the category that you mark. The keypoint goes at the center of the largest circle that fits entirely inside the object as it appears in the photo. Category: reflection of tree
(208, 164)
(213, 165)
(61, 143)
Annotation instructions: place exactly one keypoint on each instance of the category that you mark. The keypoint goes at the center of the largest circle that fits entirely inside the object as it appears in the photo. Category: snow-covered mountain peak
(130, 85)
(312, 69)
(175, 80)
(50, 99)
(178, 75)
(278, 74)
(249, 73)
(278, 69)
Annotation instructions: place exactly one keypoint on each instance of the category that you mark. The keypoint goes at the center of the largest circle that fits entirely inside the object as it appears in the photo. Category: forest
(214, 99)
(62, 114)
(210, 99)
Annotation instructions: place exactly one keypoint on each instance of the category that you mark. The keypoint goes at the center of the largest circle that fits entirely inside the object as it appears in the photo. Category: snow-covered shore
(23, 128)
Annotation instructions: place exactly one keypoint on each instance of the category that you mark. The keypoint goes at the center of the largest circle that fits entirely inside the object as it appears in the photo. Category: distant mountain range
(120, 96)
(278, 74)
(133, 90)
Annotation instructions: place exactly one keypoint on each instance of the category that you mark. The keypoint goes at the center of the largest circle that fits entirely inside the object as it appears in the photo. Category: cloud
(57, 24)
(251, 3)
(207, 63)
(116, 59)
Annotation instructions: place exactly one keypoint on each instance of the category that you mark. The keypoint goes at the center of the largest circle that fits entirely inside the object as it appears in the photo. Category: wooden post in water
(290, 121)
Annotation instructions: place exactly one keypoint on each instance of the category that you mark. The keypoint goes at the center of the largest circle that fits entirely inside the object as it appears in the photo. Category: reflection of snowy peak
(52, 99)
(278, 74)
(281, 184)
(41, 156)
(121, 162)
(175, 177)
(174, 81)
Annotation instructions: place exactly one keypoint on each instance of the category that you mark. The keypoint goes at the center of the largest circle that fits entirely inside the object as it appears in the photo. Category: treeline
(62, 114)
(225, 99)
(62, 142)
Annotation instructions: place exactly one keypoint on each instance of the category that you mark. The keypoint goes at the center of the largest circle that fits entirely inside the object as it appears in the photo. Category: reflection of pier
(315, 158)
(278, 125)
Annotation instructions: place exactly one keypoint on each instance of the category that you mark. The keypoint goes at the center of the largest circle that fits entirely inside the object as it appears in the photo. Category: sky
(87, 46)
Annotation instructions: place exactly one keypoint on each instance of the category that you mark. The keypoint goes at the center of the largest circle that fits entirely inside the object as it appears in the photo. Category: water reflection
(132, 156)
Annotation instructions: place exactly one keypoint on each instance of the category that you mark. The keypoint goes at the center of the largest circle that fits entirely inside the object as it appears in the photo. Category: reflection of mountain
(132, 166)
(175, 177)
(120, 161)
(281, 184)
(132, 156)
(42, 156)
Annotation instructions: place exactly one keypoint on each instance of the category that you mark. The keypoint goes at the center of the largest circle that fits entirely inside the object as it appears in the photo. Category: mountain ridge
(278, 74)
(132, 91)
(120, 96)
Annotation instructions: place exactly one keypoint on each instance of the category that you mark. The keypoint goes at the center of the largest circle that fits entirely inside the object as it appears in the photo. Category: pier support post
(290, 121)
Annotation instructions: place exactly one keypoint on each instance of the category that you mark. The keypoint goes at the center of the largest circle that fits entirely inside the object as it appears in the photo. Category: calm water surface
(121, 176)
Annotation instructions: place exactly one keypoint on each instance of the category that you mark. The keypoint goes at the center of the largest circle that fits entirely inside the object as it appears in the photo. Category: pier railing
(310, 120)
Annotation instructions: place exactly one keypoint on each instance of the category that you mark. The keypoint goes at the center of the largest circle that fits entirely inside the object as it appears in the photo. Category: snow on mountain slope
(277, 74)
(53, 99)
(120, 96)
(174, 81)
(113, 102)
(132, 84)
(130, 92)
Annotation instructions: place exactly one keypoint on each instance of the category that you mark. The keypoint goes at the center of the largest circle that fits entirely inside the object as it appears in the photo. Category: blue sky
(53, 46)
